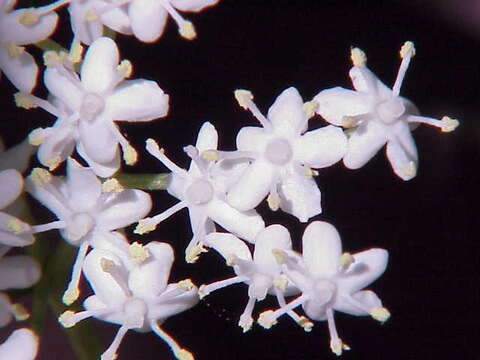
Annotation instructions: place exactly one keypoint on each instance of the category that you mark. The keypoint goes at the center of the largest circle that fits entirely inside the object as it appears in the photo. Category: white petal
(19, 34)
(64, 87)
(125, 208)
(18, 272)
(113, 242)
(367, 82)
(178, 304)
(57, 204)
(207, 138)
(148, 19)
(253, 186)
(100, 169)
(369, 265)
(364, 143)
(86, 31)
(99, 67)
(17, 157)
(137, 100)
(10, 239)
(59, 142)
(300, 196)
(5, 312)
(12, 186)
(246, 225)
(335, 103)
(84, 188)
(252, 138)
(272, 237)
(367, 298)
(228, 244)
(322, 248)
(287, 114)
(321, 147)
(118, 20)
(149, 279)
(98, 140)
(93, 302)
(22, 344)
(401, 151)
(193, 5)
(22, 70)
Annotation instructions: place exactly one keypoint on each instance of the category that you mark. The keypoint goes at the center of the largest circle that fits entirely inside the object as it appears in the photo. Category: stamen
(14, 50)
(70, 318)
(29, 17)
(406, 53)
(185, 285)
(269, 318)
(112, 186)
(111, 352)
(246, 320)
(193, 154)
(280, 283)
(37, 136)
(19, 312)
(244, 99)
(150, 223)
(59, 224)
(111, 268)
(210, 155)
(205, 290)
(185, 28)
(446, 124)
(352, 121)
(153, 148)
(76, 52)
(380, 314)
(29, 101)
(409, 170)
(180, 353)
(346, 260)
(302, 321)
(73, 291)
(15, 226)
(53, 162)
(309, 172)
(358, 56)
(310, 108)
(138, 253)
(192, 253)
(125, 68)
(40, 177)
(273, 198)
(52, 58)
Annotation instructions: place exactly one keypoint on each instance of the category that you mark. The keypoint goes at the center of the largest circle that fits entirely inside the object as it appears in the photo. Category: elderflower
(22, 344)
(135, 297)
(202, 189)
(378, 115)
(331, 281)
(17, 28)
(87, 213)
(283, 155)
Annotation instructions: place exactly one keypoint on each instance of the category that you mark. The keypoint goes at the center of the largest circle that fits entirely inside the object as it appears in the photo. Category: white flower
(202, 190)
(22, 344)
(261, 272)
(283, 155)
(17, 157)
(378, 116)
(18, 272)
(92, 104)
(137, 297)
(13, 232)
(87, 210)
(17, 28)
(148, 17)
(330, 280)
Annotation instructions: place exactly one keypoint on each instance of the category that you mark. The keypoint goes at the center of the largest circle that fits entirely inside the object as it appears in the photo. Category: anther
(358, 57)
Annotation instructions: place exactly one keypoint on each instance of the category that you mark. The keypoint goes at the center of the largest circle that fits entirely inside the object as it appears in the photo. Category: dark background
(428, 224)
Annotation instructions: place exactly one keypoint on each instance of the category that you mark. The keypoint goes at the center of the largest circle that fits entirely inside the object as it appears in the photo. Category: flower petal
(337, 102)
(99, 67)
(245, 225)
(178, 304)
(148, 19)
(322, 248)
(272, 237)
(300, 196)
(193, 5)
(366, 81)
(18, 272)
(12, 186)
(227, 244)
(85, 31)
(50, 196)
(253, 186)
(100, 169)
(117, 19)
(287, 114)
(19, 34)
(321, 147)
(22, 70)
(98, 139)
(367, 298)
(22, 344)
(207, 139)
(84, 188)
(252, 138)
(369, 265)
(17, 157)
(402, 151)
(59, 142)
(65, 88)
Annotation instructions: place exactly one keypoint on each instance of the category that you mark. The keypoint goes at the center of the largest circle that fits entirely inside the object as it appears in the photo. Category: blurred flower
(22, 344)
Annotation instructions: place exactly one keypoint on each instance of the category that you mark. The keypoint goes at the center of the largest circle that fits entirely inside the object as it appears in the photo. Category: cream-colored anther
(348, 122)
(76, 52)
(40, 176)
(125, 68)
(409, 169)
(266, 319)
(66, 319)
(23, 100)
(310, 108)
(273, 201)
(91, 15)
(144, 226)
(210, 155)
(243, 97)
(358, 57)
(202, 292)
(36, 137)
(246, 323)
(338, 346)
(106, 265)
(14, 50)
(53, 58)
(185, 285)
(380, 314)
(70, 296)
(53, 162)
(154, 145)
(231, 260)
(14, 225)
(309, 172)
(138, 253)
(112, 186)
(279, 256)
(280, 283)
(449, 124)
(187, 30)
(130, 155)
(183, 354)
(19, 312)
(346, 260)
(407, 49)
(305, 323)
(29, 17)
(193, 253)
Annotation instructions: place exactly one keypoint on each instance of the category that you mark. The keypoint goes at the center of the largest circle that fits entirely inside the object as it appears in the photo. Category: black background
(429, 224)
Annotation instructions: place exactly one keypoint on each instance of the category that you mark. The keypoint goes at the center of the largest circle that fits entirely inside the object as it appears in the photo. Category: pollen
(348, 122)
(346, 260)
(309, 172)
(36, 137)
(358, 57)
(66, 319)
(19, 312)
(150, 143)
(40, 176)
(53, 162)
(187, 30)
(14, 225)
(280, 283)
(112, 186)
(337, 346)
(380, 314)
(305, 323)
(130, 155)
(210, 155)
(106, 265)
(243, 97)
(273, 201)
(279, 256)
(23, 100)
(53, 58)
(76, 52)
(409, 169)
(138, 253)
(231, 260)
(183, 354)
(13, 50)
(266, 319)
(185, 285)
(144, 226)
(192, 254)
(407, 50)
(202, 291)
(310, 108)
(70, 296)
(29, 17)
(246, 324)
(449, 124)
(125, 68)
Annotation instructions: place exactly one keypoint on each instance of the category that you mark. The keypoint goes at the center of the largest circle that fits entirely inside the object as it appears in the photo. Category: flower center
(92, 105)
(390, 110)
(78, 226)
(279, 151)
(135, 310)
(200, 192)
(322, 293)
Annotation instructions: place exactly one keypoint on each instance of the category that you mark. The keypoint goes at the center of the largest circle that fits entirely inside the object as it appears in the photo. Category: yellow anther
(154, 145)
(280, 283)
(53, 58)
(346, 259)
(408, 49)
(144, 226)
(106, 265)
(202, 291)
(309, 172)
(185, 285)
(70, 295)
(348, 122)
(210, 155)
(36, 137)
(338, 346)
(66, 319)
(305, 323)
(279, 256)
(310, 108)
(449, 124)
(40, 176)
(246, 323)
(53, 162)
(183, 354)
(13, 50)
(15, 226)
(91, 15)
(266, 319)
(358, 57)
(29, 17)
(243, 97)
(138, 253)
(112, 186)
(187, 30)
(23, 100)
(125, 68)
(273, 201)
(76, 52)
(19, 312)
(193, 253)
(409, 169)
(380, 314)
(231, 260)
(130, 155)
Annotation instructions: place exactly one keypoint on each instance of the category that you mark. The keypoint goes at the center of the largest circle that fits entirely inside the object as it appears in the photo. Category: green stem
(144, 181)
